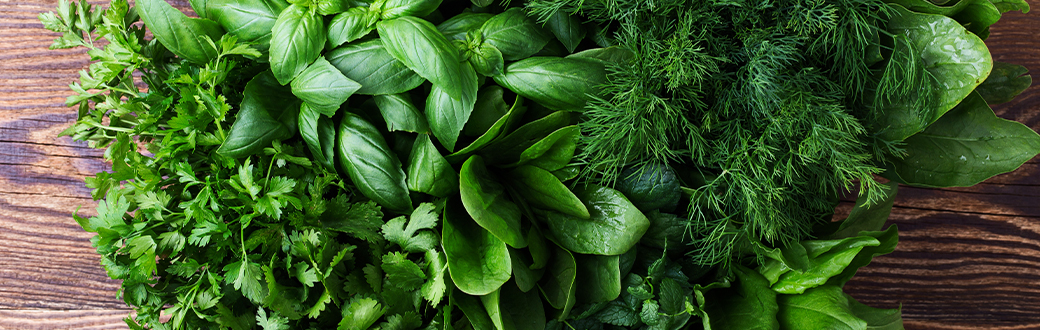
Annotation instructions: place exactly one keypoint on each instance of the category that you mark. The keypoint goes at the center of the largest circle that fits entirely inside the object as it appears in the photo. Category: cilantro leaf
(401, 272)
(360, 314)
(435, 287)
(360, 220)
(275, 322)
(406, 321)
(417, 235)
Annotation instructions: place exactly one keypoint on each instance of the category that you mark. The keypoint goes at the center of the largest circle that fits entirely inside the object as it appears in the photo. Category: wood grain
(968, 258)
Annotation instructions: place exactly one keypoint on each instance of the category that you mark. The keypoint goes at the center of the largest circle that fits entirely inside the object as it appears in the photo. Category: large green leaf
(866, 216)
(417, 43)
(1004, 83)
(446, 114)
(615, 225)
(485, 200)
(567, 29)
(825, 307)
(752, 307)
(975, 15)
(558, 286)
(369, 64)
(490, 107)
(428, 172)
(514, 34)
(249, 20)
(320, 135)
(876, 318)
(543, 190)
(828, 258)
(478, 262)
(323, 87)
(512, 309)
(401, 114)
(510, 148)
(473, 309)
(556, 83)
(966, 146)
(351, 25)
(297, 38)
(496, 131)
(182, 35)
(888, 240)
(600, 278)
(397, 8)
(525, 277)
(375, 170)
(268, 112)
(554, 151)
(455, 28)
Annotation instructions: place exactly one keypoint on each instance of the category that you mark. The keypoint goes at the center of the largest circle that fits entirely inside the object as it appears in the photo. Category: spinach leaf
(867, 216)
(543, 190)
(523, 310)
(417, 44)
(1011, 5)
(600, 278)
(888, 239)
(428, 172)
(552, 152)
(369, 64)
(297, 39)
(323, 87)
(473, 309)
(876, 318)
(525, 277)
(650, 187)
(268, 112)
(556, 83)
(614, 226)
(478, 262)
(752, 307)
(455, 28)
(320, 135)
(567, 28)
(351, 25)
(485, 200)
(503, 124)
(514, 34)
(975, 15)
(825, 307)
(666, 230)
(447, 115)
(1004, 83)
(400, 114)
(364, 155)
(510, 148)
(966, 146)
(249, 20)
(490, 107)
(828, 258)
(559, 286)
(182, 35)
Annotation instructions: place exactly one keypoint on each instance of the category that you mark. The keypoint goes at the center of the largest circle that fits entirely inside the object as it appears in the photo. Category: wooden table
(968, 258)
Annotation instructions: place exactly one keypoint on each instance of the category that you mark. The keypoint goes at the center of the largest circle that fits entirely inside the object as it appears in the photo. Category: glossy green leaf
(525, 277)
(600, 278)
(867, 217)
(417, 44)
(876, 318)
(364, 155)
(1011, 5)
(351, 25)
(975, 15)
(369, 64)
(320, 135)
(514, 34)
(332, 7)
(512, 309)
(478, 262)
(554, 151)
(558, 285)
(428, 172)
(473, 309)
(888, 239)
(182, 35)
(606, 55)
(485, 200)
(419, 8)
(567, 29)
(490, 107)
(487, 60)
(543, 190)
(249, 20)
(446, 114)
(538, 246)
(401, 114)
(966, 146)
(496, 131)
(666, 230)
(1004, 83)
(200, 8)
(268, 112)
(556, 83)
(297, 38)
(510, 148)
(323, 87)
(829, 258)
(650, 187)
(825, 307)
(455, 28)
(615, 225)
(752, 307)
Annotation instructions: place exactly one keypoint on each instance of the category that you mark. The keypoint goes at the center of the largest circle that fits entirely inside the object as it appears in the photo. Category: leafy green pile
(598, 164)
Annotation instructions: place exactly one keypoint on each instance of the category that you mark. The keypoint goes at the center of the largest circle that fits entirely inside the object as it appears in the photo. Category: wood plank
(57, 319)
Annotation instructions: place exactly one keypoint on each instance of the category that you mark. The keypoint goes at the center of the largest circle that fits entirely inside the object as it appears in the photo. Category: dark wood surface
(968, 258)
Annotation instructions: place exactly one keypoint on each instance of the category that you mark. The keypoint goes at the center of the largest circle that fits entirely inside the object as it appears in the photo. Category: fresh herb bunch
(407, 164)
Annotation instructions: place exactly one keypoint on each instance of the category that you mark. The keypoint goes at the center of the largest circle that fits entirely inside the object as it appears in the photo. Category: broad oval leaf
(418, 8)
(323, 87)
(567, 29)
(487, 60)
(543, 190)
(1004, 83)
(514, 34)
(401, 114)
(455, 28)
(473, 309)
(417, 44)
(268, 112)
(297, 38)
(554, 151)
(512, 309)
(364, 155)
(510, 148)
(320, 135)
(525, 277)
(490, 107)
(447, 115)
(966, 146)
(558, 286)
(825, 307)
(478, 262)
(369, 64)
(497, 130)
(428, 172)
(600, 278)
(351, 25)
(753, 300)
(614, 225)
(249, 20)
(182, 35)
(975, 15)
(556, 83)
(485, 200)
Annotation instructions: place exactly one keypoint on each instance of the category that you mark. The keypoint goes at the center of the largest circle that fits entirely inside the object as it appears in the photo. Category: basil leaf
(556, 83)
(600, 278)
(330, 7)
(614, 225)
(478, 262)
(323, 87)
(249, 20)
(510, 148)
(455, 28)
(419, 8)
(351, 25)
(400, 114)
(490, 107)
(825, 307)
(446, 114)
(1004, 83)
(966, 146)
(297, 39)
(485, 201)
(487, 60)
(369, 64)
(514, 34)
(364, 155)
(200, 8)
(554, 151)
(182, 35)
(320, 135)
(428, 172)
(829, 258)
(567, 29)
(543, 190)
(559, 287)
(268, 112)
(504, 123)
(607, 55)
(417, 44)
(753, 301)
